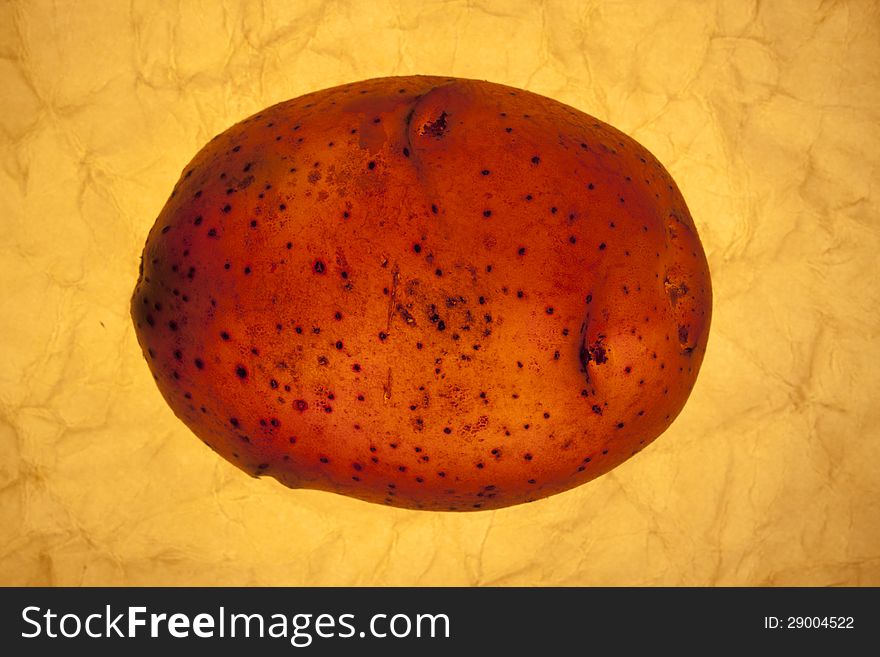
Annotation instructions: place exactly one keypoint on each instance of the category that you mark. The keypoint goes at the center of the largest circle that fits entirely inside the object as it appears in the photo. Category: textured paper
(767, 114)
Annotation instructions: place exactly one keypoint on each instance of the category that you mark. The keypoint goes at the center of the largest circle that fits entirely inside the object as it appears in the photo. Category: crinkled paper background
(766, 113)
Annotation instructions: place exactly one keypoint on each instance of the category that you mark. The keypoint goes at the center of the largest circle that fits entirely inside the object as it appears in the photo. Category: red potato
(426, 292)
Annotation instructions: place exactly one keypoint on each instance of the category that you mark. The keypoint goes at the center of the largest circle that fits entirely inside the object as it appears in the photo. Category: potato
(427, 292)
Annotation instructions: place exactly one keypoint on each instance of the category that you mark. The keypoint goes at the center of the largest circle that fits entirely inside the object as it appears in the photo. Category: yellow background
(768, 116)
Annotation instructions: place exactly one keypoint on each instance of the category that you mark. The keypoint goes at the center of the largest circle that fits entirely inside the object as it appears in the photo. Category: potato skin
(434, 293)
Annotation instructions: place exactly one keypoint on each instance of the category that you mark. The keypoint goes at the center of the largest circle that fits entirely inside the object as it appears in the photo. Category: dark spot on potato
(435, 128)
(598, 353)
(675, 291)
